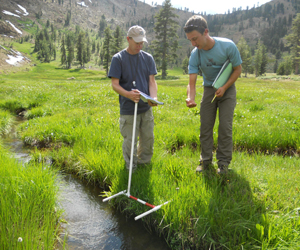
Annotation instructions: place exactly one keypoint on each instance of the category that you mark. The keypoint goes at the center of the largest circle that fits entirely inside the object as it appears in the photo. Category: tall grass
(5, 122)
(29, 216)
(75, 122)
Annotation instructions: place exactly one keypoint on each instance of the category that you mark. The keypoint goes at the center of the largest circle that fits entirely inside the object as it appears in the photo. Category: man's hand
(151, 103)
(134, 95)
(190, 103)
(220, 92)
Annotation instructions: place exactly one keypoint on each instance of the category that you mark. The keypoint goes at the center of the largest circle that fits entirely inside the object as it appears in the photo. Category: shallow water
(91, 223)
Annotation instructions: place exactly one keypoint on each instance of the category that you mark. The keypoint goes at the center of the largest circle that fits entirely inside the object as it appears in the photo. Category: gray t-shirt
(127, 68)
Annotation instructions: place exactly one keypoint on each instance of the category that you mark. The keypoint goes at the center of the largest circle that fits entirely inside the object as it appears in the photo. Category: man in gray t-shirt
(133, 70)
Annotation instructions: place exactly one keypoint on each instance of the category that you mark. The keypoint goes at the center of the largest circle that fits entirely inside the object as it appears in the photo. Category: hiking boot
(201, 168)
(222, 170)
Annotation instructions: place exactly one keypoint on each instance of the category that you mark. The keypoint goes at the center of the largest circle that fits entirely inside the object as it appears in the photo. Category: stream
(91, 223)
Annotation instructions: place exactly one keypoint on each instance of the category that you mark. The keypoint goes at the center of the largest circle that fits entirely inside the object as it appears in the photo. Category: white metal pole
(132, 148)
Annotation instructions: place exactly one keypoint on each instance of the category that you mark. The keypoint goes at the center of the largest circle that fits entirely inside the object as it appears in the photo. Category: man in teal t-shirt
(209, 55)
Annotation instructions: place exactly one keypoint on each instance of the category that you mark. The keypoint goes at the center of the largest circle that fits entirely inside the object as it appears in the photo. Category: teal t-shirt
(211, 61)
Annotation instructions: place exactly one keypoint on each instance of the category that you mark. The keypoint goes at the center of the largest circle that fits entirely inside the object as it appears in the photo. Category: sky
(211, 6)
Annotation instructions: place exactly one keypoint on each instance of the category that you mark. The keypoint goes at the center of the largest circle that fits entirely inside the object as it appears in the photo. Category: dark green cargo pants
(224, 107)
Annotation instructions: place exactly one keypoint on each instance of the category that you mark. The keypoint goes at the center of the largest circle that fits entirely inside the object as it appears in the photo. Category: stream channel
(91, 223)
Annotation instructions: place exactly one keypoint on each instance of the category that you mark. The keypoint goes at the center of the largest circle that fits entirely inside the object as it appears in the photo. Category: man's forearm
(191, 89)
(152, 87)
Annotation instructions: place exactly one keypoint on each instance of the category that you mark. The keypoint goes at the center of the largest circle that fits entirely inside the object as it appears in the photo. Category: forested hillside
(50, 23)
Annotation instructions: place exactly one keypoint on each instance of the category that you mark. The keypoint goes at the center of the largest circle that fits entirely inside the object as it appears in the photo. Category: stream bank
(91, 223)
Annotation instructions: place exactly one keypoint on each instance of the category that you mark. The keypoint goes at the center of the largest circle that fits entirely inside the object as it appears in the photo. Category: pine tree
(45, 51)
(260, 59)
(294, 42)
(98, 47)
(63, 58)
(38, 40)
(118, 41)
(68, 19)
(257, 59)
(166, 44)
(264, 59)
(53, 52)
(107, 46)
(102, 25)
(44, 46)
(93, 46)
(88, 49)
(245, 53)
(80, 46)
(275, 66)
(185, 65)
(70, 49)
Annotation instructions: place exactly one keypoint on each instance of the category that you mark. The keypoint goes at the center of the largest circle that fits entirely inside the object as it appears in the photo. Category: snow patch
(82, 4)
(13, 60)
(24, 10)
(9, 13)
(15, 57)
(90, 1)
(19, 31)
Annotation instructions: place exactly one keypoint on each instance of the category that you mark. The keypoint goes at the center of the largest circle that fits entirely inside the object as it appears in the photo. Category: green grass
(5, 122)
(29, 214)
(75, 122)
(29, 26)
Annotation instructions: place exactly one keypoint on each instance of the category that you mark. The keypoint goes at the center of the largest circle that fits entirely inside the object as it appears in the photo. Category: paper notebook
(146, 97)
(223, 75)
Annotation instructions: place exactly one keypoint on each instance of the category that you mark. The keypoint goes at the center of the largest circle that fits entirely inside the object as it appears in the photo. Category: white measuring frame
(127, 193)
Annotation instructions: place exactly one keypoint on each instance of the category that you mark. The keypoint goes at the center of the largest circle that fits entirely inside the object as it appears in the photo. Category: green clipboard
(223, 75)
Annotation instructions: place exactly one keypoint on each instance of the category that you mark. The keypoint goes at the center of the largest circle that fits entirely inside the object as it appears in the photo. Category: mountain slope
(16, 16)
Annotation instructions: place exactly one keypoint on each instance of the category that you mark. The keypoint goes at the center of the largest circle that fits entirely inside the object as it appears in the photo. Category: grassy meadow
(75, 122)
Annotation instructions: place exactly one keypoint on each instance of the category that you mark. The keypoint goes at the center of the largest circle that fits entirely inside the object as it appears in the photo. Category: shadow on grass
(234, 212)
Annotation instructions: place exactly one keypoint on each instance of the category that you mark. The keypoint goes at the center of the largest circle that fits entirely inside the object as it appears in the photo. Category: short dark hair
(197, 23)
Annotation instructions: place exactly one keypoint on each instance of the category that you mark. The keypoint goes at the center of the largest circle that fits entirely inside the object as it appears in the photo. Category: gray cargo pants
(208, 111)
(144, 134)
